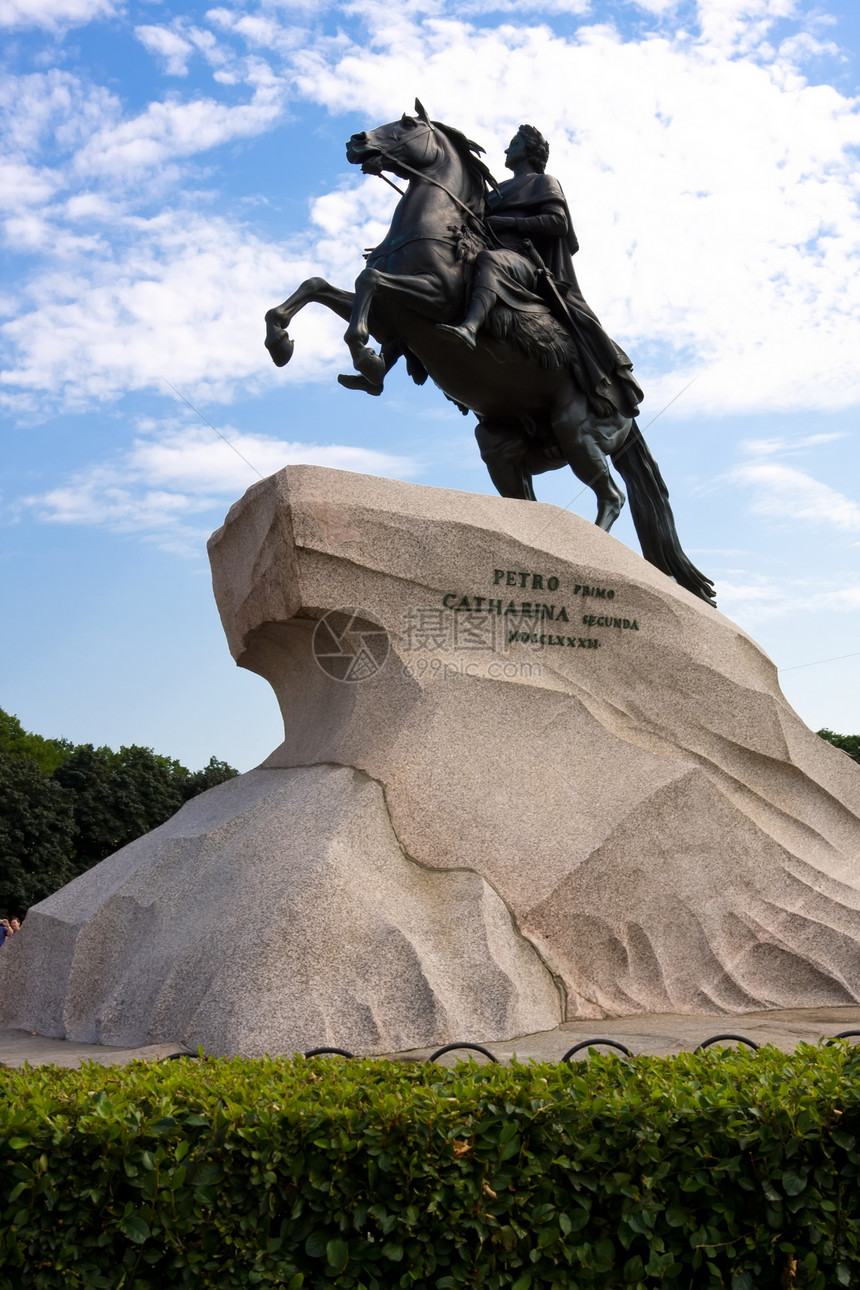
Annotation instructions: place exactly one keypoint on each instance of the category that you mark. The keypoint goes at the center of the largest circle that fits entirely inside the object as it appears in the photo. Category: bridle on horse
(389, 154)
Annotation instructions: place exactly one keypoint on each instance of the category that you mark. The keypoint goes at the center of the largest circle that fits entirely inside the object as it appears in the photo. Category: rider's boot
(479, 308)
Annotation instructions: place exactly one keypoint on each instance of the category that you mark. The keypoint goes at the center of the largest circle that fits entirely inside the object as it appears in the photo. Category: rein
(388, 154)
(437, 183)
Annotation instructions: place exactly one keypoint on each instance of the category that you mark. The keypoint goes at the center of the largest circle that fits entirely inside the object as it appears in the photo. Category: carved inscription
(537, 613)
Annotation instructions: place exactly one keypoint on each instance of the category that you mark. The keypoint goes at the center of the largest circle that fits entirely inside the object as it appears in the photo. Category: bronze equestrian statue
(474, 286)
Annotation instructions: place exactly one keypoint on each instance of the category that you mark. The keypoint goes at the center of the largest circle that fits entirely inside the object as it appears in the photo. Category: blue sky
(169, 171)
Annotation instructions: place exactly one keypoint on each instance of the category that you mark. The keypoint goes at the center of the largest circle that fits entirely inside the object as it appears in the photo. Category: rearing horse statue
(521, 377)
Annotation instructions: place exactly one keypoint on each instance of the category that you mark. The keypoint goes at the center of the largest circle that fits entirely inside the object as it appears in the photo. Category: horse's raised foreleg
(427, 294)
(389, 354)
(312, 291)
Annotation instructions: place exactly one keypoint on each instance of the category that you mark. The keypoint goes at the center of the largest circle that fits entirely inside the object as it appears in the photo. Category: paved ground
(19, 1047)
(658, 1035)
(661, 1034)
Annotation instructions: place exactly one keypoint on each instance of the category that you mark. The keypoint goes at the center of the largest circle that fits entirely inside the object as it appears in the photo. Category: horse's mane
(468, 150)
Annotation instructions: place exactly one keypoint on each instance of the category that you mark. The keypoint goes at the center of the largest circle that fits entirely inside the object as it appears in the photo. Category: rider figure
(531, 207)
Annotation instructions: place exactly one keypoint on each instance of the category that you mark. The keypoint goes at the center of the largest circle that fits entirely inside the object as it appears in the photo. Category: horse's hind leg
(585, 441)
(504, 452)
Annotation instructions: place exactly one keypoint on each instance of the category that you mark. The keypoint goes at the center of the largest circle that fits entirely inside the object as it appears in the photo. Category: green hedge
(723, 1169)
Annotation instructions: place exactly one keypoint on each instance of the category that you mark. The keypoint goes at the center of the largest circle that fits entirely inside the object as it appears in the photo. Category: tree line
(64, 807)
(848, 743)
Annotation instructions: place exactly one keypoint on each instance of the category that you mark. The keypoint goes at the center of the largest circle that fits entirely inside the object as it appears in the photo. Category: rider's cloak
(538, 204)
(536, 197)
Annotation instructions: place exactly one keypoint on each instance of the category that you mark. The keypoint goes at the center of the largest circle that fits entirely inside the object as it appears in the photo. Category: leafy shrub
(719, 1169)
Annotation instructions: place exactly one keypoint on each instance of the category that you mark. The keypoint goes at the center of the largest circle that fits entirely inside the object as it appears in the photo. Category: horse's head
(412, 141)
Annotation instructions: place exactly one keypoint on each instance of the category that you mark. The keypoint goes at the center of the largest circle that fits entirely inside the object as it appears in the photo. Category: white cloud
(176, 44)
(82, 127)
(53, 110)
(181, 299)
(52, 13)
(197, 460)
(798, 48)
(264, 30)
(172, 129)
(22, 185)
(543, 7)
(740, 25)
(170, 477)
(755, 599)
(92, 208)
(774, 446)
(102, 496)
(657, 7)
(789, 494)
(105, 497)
(174, 49)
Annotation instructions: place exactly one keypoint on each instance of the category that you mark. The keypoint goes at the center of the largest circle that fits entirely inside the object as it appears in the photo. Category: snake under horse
(533, 416)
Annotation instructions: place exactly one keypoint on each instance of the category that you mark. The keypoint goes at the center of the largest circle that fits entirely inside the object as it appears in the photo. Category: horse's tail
(653, 518)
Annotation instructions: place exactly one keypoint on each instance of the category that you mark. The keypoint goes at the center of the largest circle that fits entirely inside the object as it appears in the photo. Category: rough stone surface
(501, 808)
(275, 913)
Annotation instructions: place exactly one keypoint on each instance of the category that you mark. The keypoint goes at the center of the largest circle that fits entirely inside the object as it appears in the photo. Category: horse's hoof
(280, 347)
(608, 510)
(359, 383)
(372, 367)
(461, 335)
